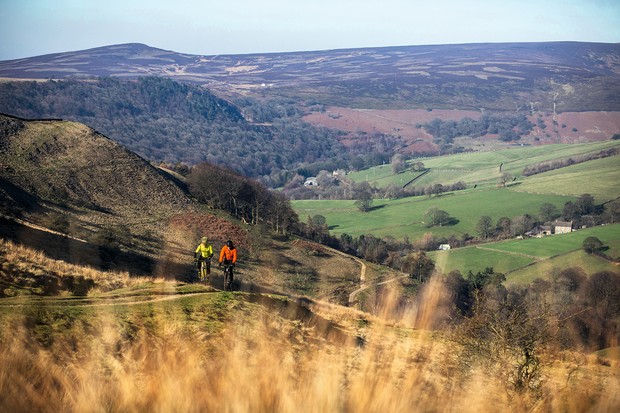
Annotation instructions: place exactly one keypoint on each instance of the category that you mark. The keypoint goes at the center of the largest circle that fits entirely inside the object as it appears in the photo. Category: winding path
(363, 285)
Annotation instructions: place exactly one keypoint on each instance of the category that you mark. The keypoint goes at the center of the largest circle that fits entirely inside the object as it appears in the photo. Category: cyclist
(228, 257)
(204, 252)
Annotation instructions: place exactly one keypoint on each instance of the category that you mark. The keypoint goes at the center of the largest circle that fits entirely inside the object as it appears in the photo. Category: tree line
(244, 198)
(508, 127)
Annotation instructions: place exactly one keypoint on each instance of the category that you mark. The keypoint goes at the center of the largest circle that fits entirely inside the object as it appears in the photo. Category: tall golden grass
(265, 360)
(19, 261)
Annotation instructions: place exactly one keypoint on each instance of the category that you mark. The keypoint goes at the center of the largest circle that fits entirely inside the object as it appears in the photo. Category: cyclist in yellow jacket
(204, 252)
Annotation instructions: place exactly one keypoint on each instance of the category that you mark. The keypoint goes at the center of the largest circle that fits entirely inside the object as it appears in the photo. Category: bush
(592, 245)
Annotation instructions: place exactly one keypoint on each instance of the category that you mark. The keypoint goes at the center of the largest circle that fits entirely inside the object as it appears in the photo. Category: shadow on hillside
(59, 247)
(375, 207)
(16, 199)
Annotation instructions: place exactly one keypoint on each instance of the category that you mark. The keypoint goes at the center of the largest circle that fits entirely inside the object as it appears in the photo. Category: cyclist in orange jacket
(228, 257)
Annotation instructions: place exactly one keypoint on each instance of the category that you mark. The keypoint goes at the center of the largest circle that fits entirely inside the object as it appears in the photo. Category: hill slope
(72, 166)
(573, 76)
(78, 197)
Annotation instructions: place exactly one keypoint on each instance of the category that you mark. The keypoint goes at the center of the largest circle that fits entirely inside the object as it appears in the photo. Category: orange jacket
(228, 254)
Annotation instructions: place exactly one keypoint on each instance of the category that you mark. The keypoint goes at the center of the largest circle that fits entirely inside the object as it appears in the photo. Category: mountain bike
(228, 276)
(204, 267)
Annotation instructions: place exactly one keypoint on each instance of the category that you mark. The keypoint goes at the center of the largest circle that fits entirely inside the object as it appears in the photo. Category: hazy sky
(35, 27)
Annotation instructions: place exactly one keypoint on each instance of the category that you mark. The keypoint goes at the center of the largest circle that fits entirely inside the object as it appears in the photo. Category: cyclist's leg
(204, 270)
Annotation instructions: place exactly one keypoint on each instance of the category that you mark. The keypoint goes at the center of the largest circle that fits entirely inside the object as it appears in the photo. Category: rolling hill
(81, 198)
(571, 76)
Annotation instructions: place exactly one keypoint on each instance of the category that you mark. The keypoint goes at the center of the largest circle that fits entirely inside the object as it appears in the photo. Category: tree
(485, 227)
(436, 216)
(592, 244)
(521, 224)
(418, 166)
(364, 202)
(419, 265)
(548, 212)
(585, 204)
(505, 178)
(612, 211)
(398, 163)
(503, 226)
(437, 190)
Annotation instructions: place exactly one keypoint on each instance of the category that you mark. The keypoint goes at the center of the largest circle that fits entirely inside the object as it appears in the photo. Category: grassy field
(477, 259)
(404, 217)
(590, 264)
(479, 167)
(599, 178)
(558, 244)
(531, 258)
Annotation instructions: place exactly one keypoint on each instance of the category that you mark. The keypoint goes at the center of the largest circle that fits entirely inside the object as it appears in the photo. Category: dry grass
(165, 358)
(24, 268)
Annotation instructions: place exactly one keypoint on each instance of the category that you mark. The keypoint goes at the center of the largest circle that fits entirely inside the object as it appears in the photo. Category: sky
(210, 27)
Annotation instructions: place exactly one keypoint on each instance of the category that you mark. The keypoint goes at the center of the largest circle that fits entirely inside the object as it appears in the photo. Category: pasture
(477, 259)
(405, 217)
(590, 264)
(481, 167)
(527, 259)
(599, 178)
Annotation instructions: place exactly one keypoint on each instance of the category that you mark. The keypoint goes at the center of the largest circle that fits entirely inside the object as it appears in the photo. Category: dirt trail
(110, 301)
(363, 287)
(40, 228)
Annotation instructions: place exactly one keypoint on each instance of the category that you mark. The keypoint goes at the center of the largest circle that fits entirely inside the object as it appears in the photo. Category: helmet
(204, 239)
(229, 243)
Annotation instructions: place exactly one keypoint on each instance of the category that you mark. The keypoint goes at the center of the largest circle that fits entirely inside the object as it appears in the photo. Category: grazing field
(477, 259)
(481, 167)
(599, 178)
(558, 244)
(531, 258)
(405, 217)
(590, 264)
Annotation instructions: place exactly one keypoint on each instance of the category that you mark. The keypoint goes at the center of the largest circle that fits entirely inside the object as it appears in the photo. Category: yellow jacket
(206, 251)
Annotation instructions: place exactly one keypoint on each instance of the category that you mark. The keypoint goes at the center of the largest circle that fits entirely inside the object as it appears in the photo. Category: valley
(392, 209)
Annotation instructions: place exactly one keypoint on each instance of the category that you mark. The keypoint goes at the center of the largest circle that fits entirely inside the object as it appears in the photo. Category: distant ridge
(579, 76)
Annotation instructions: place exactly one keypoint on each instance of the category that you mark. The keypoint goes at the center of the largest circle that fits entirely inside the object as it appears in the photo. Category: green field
(477, 259)
(479, 167)
(541, 269)
(599, 178)
(558, 244)
(404, 217)
(531, 258)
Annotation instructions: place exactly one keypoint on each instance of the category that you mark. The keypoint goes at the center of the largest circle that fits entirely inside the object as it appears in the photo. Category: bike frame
(202, 270)
(228, 277)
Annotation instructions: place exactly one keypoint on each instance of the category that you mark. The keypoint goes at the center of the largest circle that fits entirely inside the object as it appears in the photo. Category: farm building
(563, 227)
(540, 231)
(444, 247)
